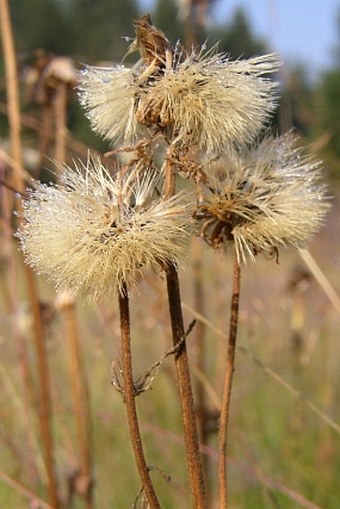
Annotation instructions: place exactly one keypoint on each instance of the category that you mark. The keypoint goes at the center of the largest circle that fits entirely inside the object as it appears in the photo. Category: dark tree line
(93, 31)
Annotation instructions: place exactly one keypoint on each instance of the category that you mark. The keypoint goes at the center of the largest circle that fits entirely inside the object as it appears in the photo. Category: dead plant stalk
(80, 401)
(129, 398)
(191, 438)
(12, 91)
(224, 416)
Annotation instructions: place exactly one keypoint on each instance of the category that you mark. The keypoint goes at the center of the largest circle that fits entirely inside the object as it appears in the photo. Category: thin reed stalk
(45, 413)
(81, 403)
(12, 91)
(79, 384)
(224, 416)
(266, 369)
(129, 398)
(321, 278)
(10, 288)
(19, 488)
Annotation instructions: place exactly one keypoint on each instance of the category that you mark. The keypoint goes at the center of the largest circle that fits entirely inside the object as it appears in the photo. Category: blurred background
(307, 38)
(54, 352)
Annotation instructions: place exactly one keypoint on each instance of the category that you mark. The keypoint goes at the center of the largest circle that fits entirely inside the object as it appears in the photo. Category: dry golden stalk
(80, 402)
(18, 183)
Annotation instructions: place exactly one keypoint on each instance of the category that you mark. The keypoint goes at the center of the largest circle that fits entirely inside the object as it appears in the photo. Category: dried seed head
(211, 101)
(202, 99)
(109, 95)
(263, 199)
(92, 232)
(61, 69)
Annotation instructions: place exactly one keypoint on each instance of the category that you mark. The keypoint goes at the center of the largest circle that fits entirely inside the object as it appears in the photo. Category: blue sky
(300, 30)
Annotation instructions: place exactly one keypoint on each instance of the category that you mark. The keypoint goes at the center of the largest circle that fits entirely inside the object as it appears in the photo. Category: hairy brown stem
(129, 397)
(224, 416)
(191, 439)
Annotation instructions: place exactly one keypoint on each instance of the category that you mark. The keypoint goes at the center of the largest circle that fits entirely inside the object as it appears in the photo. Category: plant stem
(81, 403)
(60, 105)
(12, 92)
(191, 439)
(9, 286)
(224, 417)
(199, 336)
(129, 397)
(45, 391)
(44, 129)
(200, 358)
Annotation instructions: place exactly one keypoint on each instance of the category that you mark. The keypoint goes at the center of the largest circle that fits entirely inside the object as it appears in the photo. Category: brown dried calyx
(152, 44)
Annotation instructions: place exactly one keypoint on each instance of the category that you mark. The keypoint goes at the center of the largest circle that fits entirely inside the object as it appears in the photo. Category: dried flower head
(202, 98)
(263, 199)
(92, 232)
(211, 101)
(109, 95)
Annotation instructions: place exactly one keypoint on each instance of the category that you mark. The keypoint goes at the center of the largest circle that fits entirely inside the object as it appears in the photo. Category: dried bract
(92, 232)
(151, 43)
(265, 198)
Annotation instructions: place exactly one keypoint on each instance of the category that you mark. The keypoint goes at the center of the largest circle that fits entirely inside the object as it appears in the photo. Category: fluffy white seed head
(203, 99)
(265, 198)
(212, 101)
(109, 96)
(92, 232)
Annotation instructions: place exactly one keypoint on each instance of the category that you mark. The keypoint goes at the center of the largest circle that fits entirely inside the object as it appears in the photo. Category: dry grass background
(283, 454)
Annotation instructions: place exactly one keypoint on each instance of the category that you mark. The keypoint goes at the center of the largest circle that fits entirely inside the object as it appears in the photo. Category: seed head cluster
(202, 99)
(92, 232)
(263, 198)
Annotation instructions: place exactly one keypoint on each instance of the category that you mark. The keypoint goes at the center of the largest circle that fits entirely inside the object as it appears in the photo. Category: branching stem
(191, 439)
(129, 397)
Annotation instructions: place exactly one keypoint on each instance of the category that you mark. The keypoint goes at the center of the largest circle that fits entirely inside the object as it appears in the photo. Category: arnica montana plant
(192, 120)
